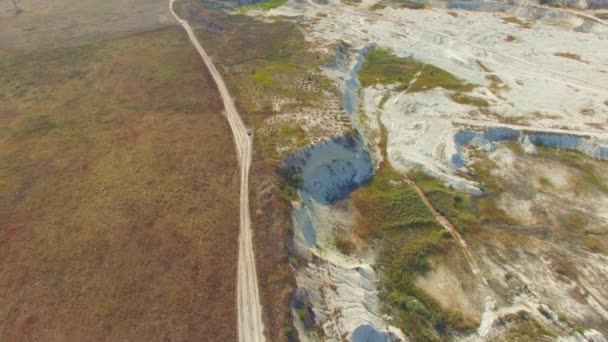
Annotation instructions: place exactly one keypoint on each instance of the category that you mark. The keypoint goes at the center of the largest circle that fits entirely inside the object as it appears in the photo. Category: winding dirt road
(250, 326)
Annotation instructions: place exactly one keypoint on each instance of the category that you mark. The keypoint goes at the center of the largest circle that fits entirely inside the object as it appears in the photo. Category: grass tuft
(570, 55)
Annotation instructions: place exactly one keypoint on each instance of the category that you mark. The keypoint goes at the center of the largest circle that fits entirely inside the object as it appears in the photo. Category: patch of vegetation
(523, 327)
(390, 208)
(570, 55)
(288, 331)
(433, 77)
(269, 4)
(544, 183)
(386, 202)
(554, 3)
(496, 84)
(517, 21)
(383, 101)
(278, 140)
(383, 67)
(510, 38)
(410, 4)
(402, 259)
(345, 244)
(486, 207)
(259, 61)
(264, 75)
(460, 208)
(289, 181)
(588, 178)
(469, 100)
(594, 244)
(378, 5)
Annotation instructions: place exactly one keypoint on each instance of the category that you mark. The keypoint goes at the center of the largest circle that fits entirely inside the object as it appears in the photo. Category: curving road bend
(249, 320)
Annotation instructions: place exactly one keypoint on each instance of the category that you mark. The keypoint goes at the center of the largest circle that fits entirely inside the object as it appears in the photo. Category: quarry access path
(447, 225)
(249, 317)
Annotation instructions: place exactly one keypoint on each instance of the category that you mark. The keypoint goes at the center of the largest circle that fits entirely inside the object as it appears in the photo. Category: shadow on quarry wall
(479, 5)
(350, 97)
(486, 139)
(350, 91)
(331, 170)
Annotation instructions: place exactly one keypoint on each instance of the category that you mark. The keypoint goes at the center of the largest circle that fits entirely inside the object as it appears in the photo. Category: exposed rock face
(486, 139)
(333, 169)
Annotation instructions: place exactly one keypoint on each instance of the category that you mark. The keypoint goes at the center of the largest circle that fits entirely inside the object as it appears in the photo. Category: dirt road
(249, 320)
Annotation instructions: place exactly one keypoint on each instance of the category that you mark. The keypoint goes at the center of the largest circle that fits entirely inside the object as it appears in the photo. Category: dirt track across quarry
(250, 326)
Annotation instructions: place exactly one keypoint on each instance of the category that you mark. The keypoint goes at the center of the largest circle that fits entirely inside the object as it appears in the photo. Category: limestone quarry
(517, 127)
(304, 170)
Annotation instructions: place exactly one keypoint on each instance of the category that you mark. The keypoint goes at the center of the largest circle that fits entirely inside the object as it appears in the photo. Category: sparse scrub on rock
(570, 55)
(517, 21)
(391, 209)
(469, 100)
(459, 207)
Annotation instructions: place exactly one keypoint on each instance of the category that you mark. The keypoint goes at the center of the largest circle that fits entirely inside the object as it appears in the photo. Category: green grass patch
(460, 208)
(403, 258)
(267, 73)
(469, 100)
(399, 4)
(433, 77)
(386, 202)
(276, 141)
(268, 5)
(288, 181)
(383, 67)
(391, 209)
(409, 4)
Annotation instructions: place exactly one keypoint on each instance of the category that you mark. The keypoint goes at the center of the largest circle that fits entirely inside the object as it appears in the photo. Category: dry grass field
(118, 194)
(53, 23)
